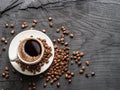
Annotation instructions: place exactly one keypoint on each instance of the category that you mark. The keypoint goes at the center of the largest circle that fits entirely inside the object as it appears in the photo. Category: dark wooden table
(96, 25)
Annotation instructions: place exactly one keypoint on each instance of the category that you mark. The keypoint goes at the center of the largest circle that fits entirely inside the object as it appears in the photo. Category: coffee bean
(69, 80)
(51, 25)
(81, 71)
(82, 54)
(3, 48)
(7, 76)
(50, 19)
(6, 25)
(87, 63)
(72, 62)
(83, 68)
(3, 39)
(66, 43)
(79, 63)
(72, 74)
(22, 26)
(58, 84)
(44, 31)
(45, 85)
(63, 28)
(12, 25)
(34, 88)
(58, 30)
(12, 32)
(54, 40)
(86, 75)
(30, 88)
(3, 74)
(92, 73)
(6, 68)
(35, 21)
(31, 28)
(71, 35)
(33, 24)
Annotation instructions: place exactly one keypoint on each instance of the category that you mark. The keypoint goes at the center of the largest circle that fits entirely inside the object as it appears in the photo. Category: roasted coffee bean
(63, 28)
(82, 54)
(51, 25)
(86, 75)
(71, 35)
(3, 48)
(44, 31)
(31, 28)
(92, 73)
(22, 26)
(34, 88)
(35, 21)
(79, 63)
(51, 82)
(87, 63)
(3, 74)
(6, 25)
(33, 24)
(58, 84)
(83, 68)
(12, 32)
(50, 19)
(7, 76)
(69, 80)
(66, 43)
(72, 62)
(54, 40)
(12, 25)
(72, 74)
(6, 68)
(81, 71)
(45, 85)
(58, 30)
(3, 39)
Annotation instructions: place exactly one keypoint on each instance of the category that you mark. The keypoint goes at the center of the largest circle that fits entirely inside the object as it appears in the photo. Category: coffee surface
(32, 48)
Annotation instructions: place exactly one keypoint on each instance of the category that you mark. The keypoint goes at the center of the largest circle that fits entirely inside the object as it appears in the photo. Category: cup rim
(40, 57)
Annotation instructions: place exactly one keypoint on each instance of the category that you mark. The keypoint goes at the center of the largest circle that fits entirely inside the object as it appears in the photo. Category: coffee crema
(30, 50)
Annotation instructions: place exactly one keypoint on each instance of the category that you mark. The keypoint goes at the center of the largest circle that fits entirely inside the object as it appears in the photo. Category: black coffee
(32, 47)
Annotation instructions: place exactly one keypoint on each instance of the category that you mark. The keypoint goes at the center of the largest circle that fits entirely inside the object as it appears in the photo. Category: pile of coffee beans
(37, 67)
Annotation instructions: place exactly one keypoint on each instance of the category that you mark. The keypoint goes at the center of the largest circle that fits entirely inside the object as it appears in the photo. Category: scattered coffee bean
(87, 63)
(50, 19)
(58, 84)
(71, 35)
(3, 39)
(86, 75)
(69, 80)
(44, 31)
(51, 25)
(33, 24)
(31, 28)
(3, 74)
(79, 63)
(82, 54)
(66, 43)
(12, 32)
(23, 26)
(7, 76)
(54, 40)
(6, 25)
(35, 21)
(92, 73)
(72, 74)
(58, 30)
(72, 62)
(12, 25)
(81, 71)
(83, 68)
(45, 85)
(6, 68)
(3, 48)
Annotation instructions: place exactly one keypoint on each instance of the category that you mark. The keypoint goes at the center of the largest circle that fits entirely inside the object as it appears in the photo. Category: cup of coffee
(30, 50)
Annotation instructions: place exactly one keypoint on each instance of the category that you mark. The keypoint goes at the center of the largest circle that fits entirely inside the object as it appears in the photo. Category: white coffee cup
(25, 57)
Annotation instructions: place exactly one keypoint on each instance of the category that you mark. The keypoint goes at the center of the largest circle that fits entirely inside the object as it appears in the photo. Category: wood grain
(96, 25)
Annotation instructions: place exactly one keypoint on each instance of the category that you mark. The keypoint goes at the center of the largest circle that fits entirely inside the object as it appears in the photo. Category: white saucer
(13, 49)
